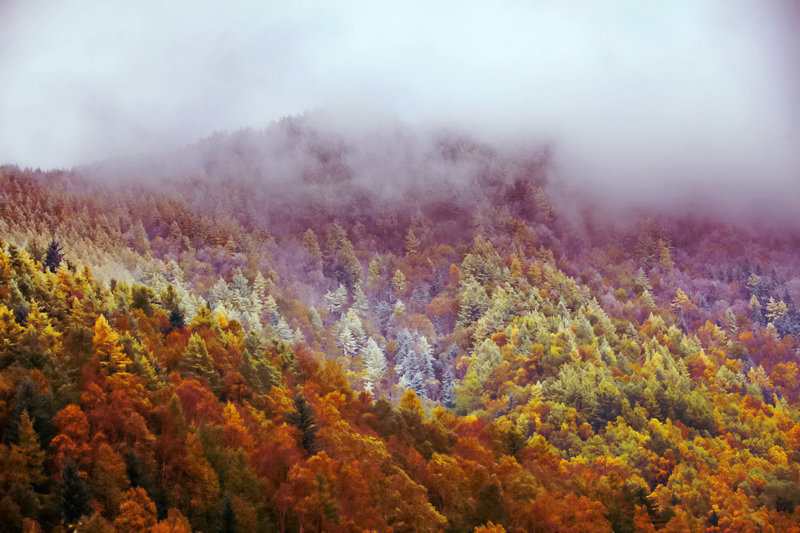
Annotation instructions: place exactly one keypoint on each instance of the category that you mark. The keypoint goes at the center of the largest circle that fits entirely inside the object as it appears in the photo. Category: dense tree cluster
(398, 364)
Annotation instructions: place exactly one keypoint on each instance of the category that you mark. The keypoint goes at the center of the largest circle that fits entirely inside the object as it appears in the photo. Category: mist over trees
(295, 328)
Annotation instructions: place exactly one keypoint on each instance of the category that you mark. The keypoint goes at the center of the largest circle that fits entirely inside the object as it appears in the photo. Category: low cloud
(638, 101)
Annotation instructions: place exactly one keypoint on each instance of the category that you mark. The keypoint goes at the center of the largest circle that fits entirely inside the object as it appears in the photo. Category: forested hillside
(293, 330)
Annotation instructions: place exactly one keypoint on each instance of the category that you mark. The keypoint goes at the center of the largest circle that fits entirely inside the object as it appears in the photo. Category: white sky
(628, 91)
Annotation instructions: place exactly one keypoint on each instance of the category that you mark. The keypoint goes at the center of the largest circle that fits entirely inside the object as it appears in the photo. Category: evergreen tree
(402, 358)
(303, 418)
(447, 397)
(347, 342)
(360, 304)
(196, 360)
(53, 256)
(399, 283)
(374, 363)
(385, 312)
(412, 243)
(76, 497)
(227, 516)
(31, 451)
(283, 331)
(336, 301)
(316, 320)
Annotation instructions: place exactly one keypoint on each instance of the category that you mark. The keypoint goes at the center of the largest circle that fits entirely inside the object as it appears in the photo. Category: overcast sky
(646, 92)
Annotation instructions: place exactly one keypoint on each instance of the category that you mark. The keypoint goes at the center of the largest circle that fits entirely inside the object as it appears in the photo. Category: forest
(291, 329)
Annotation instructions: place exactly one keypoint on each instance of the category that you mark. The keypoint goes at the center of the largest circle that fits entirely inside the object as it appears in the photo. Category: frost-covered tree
(402, 358)
(474, 302)
(336, 301)
(374, 364)
(360, 304)
(283, 331)
(347, 342)
(399, 283)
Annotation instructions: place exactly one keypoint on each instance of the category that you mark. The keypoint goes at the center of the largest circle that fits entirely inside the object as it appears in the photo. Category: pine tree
(412, 243)
(303, 418)
(347, 342)
(227, 516)
(356, 329)
(399, 311)
(316, 320)
(775, 310)
(641, 281)
(730, 321)
(399, 283)
(336, 301)
(221, 293)
(374, 278)
(53, 256)
(259, 373)
(283, 331)
(138, 239)
(385, 313)
(76, 497)
(106, 347)
(29, 448)
(402, 358)
(447, 397)
(311, 244)
(474, 302)
(196, 361)
(420, 372)
(360, 304)
(374, 364)
(259, 295)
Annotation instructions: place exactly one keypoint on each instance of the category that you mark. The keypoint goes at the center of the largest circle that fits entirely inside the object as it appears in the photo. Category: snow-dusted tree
(486, 358)
(259, 294)
(775, 310)
(316, 320)
(641, 281)
(283, 331)
(648, 303)
(399, 283)
(374, 277)
(447, 397)
(496, 315)
(404, 342)
(347, 342)
(420, 372)
(374, 364)
(412, 242)
(730, 321)
(311, 244)
(384, 311)
(399, 310)
(137, 238)
(221, 293)
(474, 302)
(239, 285)
(271, 310)
(353, 322)
(360, 304)
(336, 301)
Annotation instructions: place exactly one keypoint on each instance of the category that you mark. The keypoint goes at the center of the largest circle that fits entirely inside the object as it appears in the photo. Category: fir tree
(303, 418)
(53, 256)
(196, 360)
(374, 363)
(76, 497)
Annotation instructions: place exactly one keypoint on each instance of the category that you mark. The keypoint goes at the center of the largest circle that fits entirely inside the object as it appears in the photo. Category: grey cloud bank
(634, 96)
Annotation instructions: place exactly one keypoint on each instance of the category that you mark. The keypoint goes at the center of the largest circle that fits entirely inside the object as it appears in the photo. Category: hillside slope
(262, 340)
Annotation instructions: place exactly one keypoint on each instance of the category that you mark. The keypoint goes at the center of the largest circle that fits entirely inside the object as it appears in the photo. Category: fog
(637, 101)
